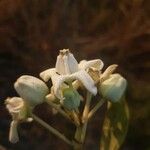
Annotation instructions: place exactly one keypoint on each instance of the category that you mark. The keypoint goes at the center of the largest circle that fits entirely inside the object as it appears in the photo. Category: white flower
(31, 89)
(14, 106)
(19, 112)
(67, 70)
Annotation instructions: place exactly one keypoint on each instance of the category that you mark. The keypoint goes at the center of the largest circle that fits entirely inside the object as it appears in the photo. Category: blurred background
(116, 31)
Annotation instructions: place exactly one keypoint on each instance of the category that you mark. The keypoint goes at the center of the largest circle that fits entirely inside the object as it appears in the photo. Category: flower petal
(14, 105)
(73, 64)
(86, 80)
(60, 67)
(108, 72)
(95, 63)
(58, 83)
(46, 75)
(66, 65)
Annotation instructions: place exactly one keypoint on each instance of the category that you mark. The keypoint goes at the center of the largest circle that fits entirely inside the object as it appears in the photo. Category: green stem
(85, 116)
(75, 117)
(86, 107)
(96, 107)
(62, 112)
(51, 129)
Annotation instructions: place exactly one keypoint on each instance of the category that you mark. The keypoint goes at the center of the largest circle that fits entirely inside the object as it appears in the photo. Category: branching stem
(62, 112)
(51, 129)
(96, 107)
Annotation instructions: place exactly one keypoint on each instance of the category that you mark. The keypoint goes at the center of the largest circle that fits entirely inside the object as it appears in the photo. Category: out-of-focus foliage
(115, 125)
(117, 31)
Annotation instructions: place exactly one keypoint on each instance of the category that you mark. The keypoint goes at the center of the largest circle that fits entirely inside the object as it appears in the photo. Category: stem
(63, 113)
(51, 129)
(75, 117)
(96, 107)
(85, 116)
(86, 107)
(78, 144)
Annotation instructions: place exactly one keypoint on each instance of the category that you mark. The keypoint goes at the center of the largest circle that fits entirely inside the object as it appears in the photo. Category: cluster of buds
(67, 77)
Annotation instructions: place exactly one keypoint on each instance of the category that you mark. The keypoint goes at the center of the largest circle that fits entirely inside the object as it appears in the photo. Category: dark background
(116, 31)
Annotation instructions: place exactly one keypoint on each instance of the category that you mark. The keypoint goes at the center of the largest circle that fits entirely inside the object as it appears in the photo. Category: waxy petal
(60, 68)
(86, 80)
(66, 65)
(47, 74)
(96, 63)
(73, 64)
(108, 72)
(82, 76)
(14, 105)
(58, 81)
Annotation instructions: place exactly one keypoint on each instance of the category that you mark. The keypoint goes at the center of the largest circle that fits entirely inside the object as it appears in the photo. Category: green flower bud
(71, 99)
(113, 88)
(31, 89)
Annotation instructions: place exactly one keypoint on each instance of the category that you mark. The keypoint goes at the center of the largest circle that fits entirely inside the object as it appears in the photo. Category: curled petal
(13, 133)
(14, 105)
(58, 83)
(96, 63)
(82, 76)
(46, 75)
(108, 72)
(86, 80)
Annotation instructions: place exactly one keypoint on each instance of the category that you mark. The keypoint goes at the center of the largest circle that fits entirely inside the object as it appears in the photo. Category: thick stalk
(85, 116)
(96, 107)
(51, 129)
(62, 112)
(81, 130)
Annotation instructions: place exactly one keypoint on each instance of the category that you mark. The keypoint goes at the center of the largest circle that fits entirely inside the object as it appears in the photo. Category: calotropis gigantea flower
(16, 108)
(67, 70)
(31, 89)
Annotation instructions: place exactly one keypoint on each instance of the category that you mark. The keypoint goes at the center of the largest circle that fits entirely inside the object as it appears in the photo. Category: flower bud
(71, 99)
(113, 88)
(31, 89)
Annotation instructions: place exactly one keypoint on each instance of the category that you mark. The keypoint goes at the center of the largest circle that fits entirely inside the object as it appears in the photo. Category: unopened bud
(113, 88)
(71, 99)
(31, 89)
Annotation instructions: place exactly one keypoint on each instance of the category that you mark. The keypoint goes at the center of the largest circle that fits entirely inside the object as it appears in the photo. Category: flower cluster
(67, 76)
